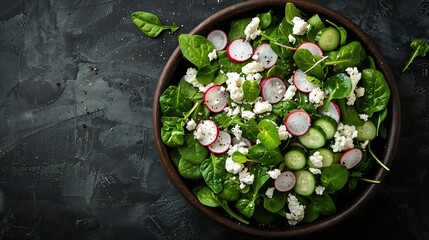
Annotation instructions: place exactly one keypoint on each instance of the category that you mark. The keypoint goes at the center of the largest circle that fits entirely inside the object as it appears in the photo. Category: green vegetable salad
(276, 117)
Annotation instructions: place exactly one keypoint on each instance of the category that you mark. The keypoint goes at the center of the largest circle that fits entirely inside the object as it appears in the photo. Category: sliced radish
(285, 181)
(206, 132)
(239, 50)
(222, 143)
(351, 158)
(218, 38)
(298, 122)
(312, 47)
(301, 83)
(273, 89)
(215, 98)
(333, 111)
(265, 55)
(245, 140)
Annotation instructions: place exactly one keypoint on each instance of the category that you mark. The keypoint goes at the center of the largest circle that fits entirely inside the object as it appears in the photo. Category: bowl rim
(234, 11)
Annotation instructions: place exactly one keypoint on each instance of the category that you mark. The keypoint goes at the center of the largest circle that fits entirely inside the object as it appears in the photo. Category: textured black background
(77, 158)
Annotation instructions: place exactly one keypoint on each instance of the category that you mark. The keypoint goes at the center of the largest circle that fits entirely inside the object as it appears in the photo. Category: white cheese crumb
(319, 190)
(283, 133)
(316, 97)
(191, 124)
(315, 171)
(297, 211)
(245, 178)
(251, 31)
(317, 159)
(270, 191)
(291, 39)
(234, 86)
(274, 174)
(239, 147)
(262, 106)
(252, 68)
(364, 144)
(355, 77)
(212, 55)
(299, 26)
(363, 117)
(233, 167)
(247, 115)
(237, 131)
(290, 92)
(344, 137)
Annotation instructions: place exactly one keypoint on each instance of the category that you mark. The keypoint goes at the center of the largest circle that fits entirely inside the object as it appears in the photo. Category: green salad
(275, 117)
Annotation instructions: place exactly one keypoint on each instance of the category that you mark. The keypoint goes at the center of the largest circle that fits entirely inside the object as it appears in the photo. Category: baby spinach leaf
(175, 156)
(250, 130)
(237, 27)
(420, 47)
(377, 92)
(314, 80)
(195, 48)
(290, 12)
(265, 19)
(380, 118)
(283, 107)
(304, 60)
(150, 24)
(246, 207)
(316, 25)
(339, 86)
(281, 69)
(172, 131)
(220, 79)
(260, 154)
(251, 90)
(213, 171)
(200, 113)
(323, 204)
(172, 103)
(261, 177)
(268, 134)
(224, 121)
(304, 102)
(369, 63)
(334, 177)
(192, 150)
(238, 157)
(332, 55)
(189, 170)
(206, 73)
(276, 203)
(231, 190)
(349, 115)
(350, 55)
(186, 89)
(208, 198)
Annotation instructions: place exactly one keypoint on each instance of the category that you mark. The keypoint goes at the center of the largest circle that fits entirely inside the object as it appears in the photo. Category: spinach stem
(191, 111)
(315, 64)
(225, 206)
(276, 43)
(370, 180)
(376, 159)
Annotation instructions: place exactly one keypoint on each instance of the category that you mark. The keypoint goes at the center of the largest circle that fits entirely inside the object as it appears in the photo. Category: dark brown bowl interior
(176, 67)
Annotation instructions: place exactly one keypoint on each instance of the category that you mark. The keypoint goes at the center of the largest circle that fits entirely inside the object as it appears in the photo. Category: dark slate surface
(77, 159)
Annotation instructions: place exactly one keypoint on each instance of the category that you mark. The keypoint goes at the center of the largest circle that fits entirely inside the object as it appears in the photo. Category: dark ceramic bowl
(176, 67)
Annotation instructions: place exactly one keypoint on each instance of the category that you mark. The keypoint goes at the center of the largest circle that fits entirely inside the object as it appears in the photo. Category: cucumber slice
(314, 138)
(295, 158)
(328, 125)
(305, 183)
(328, 39)
(367, 131)
(327, 154)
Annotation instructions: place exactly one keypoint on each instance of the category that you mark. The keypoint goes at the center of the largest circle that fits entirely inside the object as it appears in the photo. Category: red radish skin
(215, 99)
(351, 157)
(222, 143)
(298, 122)
(208, 130)
(239, 50)
(273, 89)
(333, 111)
(285, 181)
(218, 38)
(312, 47)
(301, 83)
(265, 55)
